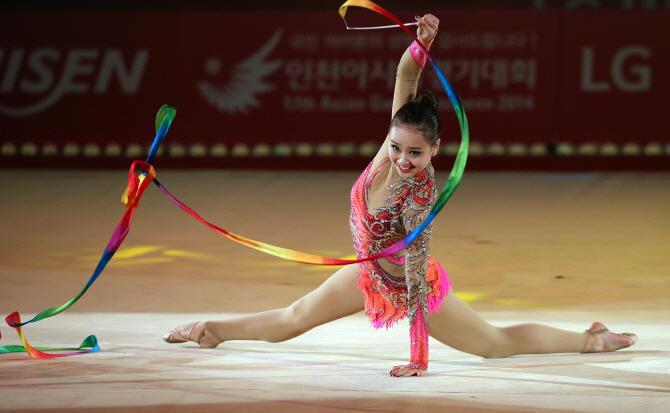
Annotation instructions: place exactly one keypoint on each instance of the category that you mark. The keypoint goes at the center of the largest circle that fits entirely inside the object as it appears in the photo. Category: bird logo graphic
(245, 83)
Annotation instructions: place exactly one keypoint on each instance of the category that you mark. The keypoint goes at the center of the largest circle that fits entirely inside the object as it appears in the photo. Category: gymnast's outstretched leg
(337, 297)
(460, 327)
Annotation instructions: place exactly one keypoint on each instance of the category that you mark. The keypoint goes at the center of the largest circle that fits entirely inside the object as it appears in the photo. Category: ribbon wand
(391, 26)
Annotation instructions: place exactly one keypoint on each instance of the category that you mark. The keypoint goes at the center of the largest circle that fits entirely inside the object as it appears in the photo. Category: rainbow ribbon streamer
(138, 184)
(131, 197)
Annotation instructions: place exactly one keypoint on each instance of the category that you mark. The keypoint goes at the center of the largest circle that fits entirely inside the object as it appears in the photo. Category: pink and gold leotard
(384, 208)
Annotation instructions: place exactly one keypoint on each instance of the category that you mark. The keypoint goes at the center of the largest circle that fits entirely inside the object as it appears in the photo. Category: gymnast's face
(409, 151)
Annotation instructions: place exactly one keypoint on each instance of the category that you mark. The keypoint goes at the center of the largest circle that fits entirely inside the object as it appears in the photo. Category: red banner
(523, 76)
(615, 76)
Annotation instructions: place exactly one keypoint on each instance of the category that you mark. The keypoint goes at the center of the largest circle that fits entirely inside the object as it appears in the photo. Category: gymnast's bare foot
(600, 339)
(196, 332)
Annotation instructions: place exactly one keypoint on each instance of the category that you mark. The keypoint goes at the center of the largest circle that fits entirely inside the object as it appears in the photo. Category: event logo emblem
(246, 81)
(76, 71)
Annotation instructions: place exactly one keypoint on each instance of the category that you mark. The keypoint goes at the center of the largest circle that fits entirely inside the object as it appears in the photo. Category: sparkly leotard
(384, 208)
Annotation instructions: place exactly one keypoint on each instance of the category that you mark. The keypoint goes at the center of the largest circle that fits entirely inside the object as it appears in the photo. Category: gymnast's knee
(293, 320)
(498, 348)
(495, 354)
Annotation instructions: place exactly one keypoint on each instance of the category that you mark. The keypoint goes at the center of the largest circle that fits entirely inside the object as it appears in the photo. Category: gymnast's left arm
(417, 256)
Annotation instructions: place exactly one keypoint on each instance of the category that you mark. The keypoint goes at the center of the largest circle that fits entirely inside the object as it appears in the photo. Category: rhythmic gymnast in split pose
(392, 197)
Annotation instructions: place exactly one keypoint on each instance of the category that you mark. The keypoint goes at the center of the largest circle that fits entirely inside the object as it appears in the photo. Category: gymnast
(393, 196)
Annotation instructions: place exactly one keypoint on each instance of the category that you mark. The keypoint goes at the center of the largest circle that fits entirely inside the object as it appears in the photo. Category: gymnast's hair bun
(428, 98)
(420, 114)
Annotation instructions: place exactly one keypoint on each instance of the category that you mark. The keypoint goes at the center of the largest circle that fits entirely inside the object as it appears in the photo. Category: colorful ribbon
(38, 352)
(131, 197)
(138, 184)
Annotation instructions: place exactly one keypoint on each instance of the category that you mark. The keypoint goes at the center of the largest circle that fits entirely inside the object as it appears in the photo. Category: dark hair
(420, 114)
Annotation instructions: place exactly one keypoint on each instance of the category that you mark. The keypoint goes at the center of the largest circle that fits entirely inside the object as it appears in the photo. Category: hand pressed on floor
(406, 371)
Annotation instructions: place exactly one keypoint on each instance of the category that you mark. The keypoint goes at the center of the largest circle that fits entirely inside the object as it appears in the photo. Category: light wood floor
(565, 249)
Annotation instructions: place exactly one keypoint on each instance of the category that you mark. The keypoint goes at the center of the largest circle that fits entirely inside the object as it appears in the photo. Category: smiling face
(409, 151)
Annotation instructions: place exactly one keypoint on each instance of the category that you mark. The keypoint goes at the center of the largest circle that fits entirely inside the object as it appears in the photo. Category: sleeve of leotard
(406, 81)
(416, 272)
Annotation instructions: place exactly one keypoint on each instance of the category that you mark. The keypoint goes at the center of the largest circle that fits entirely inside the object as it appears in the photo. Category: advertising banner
(272, 77)
(614, 76)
